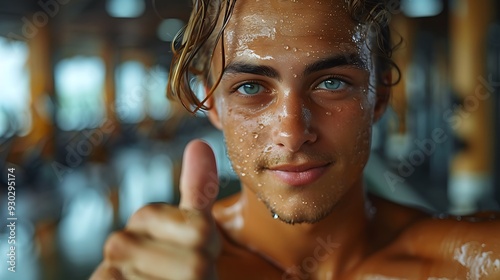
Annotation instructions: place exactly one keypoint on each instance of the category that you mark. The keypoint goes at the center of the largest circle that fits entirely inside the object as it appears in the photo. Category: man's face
(296, 103)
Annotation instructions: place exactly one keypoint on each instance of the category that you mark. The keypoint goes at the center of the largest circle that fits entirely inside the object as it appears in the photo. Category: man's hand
(165, 242)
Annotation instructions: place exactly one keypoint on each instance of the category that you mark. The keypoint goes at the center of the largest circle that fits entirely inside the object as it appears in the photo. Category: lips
(299, 175)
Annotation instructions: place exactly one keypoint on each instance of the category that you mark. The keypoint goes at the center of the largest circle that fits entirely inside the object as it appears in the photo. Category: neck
(324, 247)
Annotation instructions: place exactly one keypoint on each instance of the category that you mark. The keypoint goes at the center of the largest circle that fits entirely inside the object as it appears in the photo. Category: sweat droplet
(328, 113)
(275, 216)
(255, 135)
(287, 47)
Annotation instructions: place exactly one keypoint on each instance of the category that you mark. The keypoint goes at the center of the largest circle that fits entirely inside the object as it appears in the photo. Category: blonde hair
(194, 46)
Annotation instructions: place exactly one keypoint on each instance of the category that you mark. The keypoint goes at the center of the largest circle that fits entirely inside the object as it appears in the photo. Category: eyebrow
(351, 59)
(261, 70)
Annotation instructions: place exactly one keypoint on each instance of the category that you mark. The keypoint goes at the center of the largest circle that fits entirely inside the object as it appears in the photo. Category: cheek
(243, 127)
(361, 147)
(243, 135)
(348, 129)
(361, 133)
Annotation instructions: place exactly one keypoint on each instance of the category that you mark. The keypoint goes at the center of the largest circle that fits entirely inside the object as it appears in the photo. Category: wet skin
(296, 104)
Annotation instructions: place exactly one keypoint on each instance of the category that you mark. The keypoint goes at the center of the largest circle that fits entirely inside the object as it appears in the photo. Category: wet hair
(194, 47)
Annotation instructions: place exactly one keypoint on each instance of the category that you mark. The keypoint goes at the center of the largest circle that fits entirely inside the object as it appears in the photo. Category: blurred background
(85, 122)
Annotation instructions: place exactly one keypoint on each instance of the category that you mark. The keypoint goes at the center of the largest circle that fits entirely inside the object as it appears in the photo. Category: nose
(292, 129)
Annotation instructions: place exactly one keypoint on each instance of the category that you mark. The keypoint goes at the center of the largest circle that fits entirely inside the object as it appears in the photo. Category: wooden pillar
(471, 168)
(41, 49)
(404, 28)
(110, 126)
(109, 82)
(41, 88)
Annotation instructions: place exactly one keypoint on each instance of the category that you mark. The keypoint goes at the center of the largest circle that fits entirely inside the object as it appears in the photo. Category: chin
(301, 219)
(300, 212)
(303, 205)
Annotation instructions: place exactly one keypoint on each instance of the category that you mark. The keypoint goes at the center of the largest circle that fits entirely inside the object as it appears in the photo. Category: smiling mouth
(299, 175)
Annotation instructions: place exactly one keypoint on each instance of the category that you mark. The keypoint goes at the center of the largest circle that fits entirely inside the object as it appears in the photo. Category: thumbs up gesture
(165, 242)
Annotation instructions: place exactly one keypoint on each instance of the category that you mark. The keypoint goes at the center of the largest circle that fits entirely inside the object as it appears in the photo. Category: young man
(295, 86)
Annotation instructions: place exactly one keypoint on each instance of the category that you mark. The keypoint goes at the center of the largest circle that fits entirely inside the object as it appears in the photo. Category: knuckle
(199, 235)
(145, 213)
(105, 272)
(117, 245)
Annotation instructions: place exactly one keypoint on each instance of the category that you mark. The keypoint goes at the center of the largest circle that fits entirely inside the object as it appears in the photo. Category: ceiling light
(125, 8)
(421, 8)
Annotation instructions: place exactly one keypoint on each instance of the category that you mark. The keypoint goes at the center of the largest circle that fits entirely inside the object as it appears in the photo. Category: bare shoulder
(463, 239)
(439, 248)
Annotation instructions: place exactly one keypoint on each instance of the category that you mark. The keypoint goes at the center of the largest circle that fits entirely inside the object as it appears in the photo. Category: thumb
(199, 183)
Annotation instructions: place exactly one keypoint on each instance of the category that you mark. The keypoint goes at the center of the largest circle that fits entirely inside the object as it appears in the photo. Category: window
(80, 86)
(157, 103)
(131, 90)
(15, 113)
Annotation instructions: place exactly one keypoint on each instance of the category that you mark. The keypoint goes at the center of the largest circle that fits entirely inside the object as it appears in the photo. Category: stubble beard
(311, 215)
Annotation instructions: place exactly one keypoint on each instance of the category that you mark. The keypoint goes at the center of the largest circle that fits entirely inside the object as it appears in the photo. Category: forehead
(264, 25)
(290, 17)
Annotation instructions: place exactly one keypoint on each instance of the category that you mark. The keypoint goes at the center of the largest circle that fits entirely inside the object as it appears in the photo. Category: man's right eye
(250, 89)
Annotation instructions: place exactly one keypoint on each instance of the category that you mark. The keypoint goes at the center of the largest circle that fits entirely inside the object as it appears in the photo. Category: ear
(383, 95)
(213, 113)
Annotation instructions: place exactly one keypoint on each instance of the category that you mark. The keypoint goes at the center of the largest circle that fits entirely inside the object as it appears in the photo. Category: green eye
(250, 89)
(332, 84)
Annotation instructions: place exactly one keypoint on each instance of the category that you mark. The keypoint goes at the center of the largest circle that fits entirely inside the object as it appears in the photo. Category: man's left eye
(331, 84)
